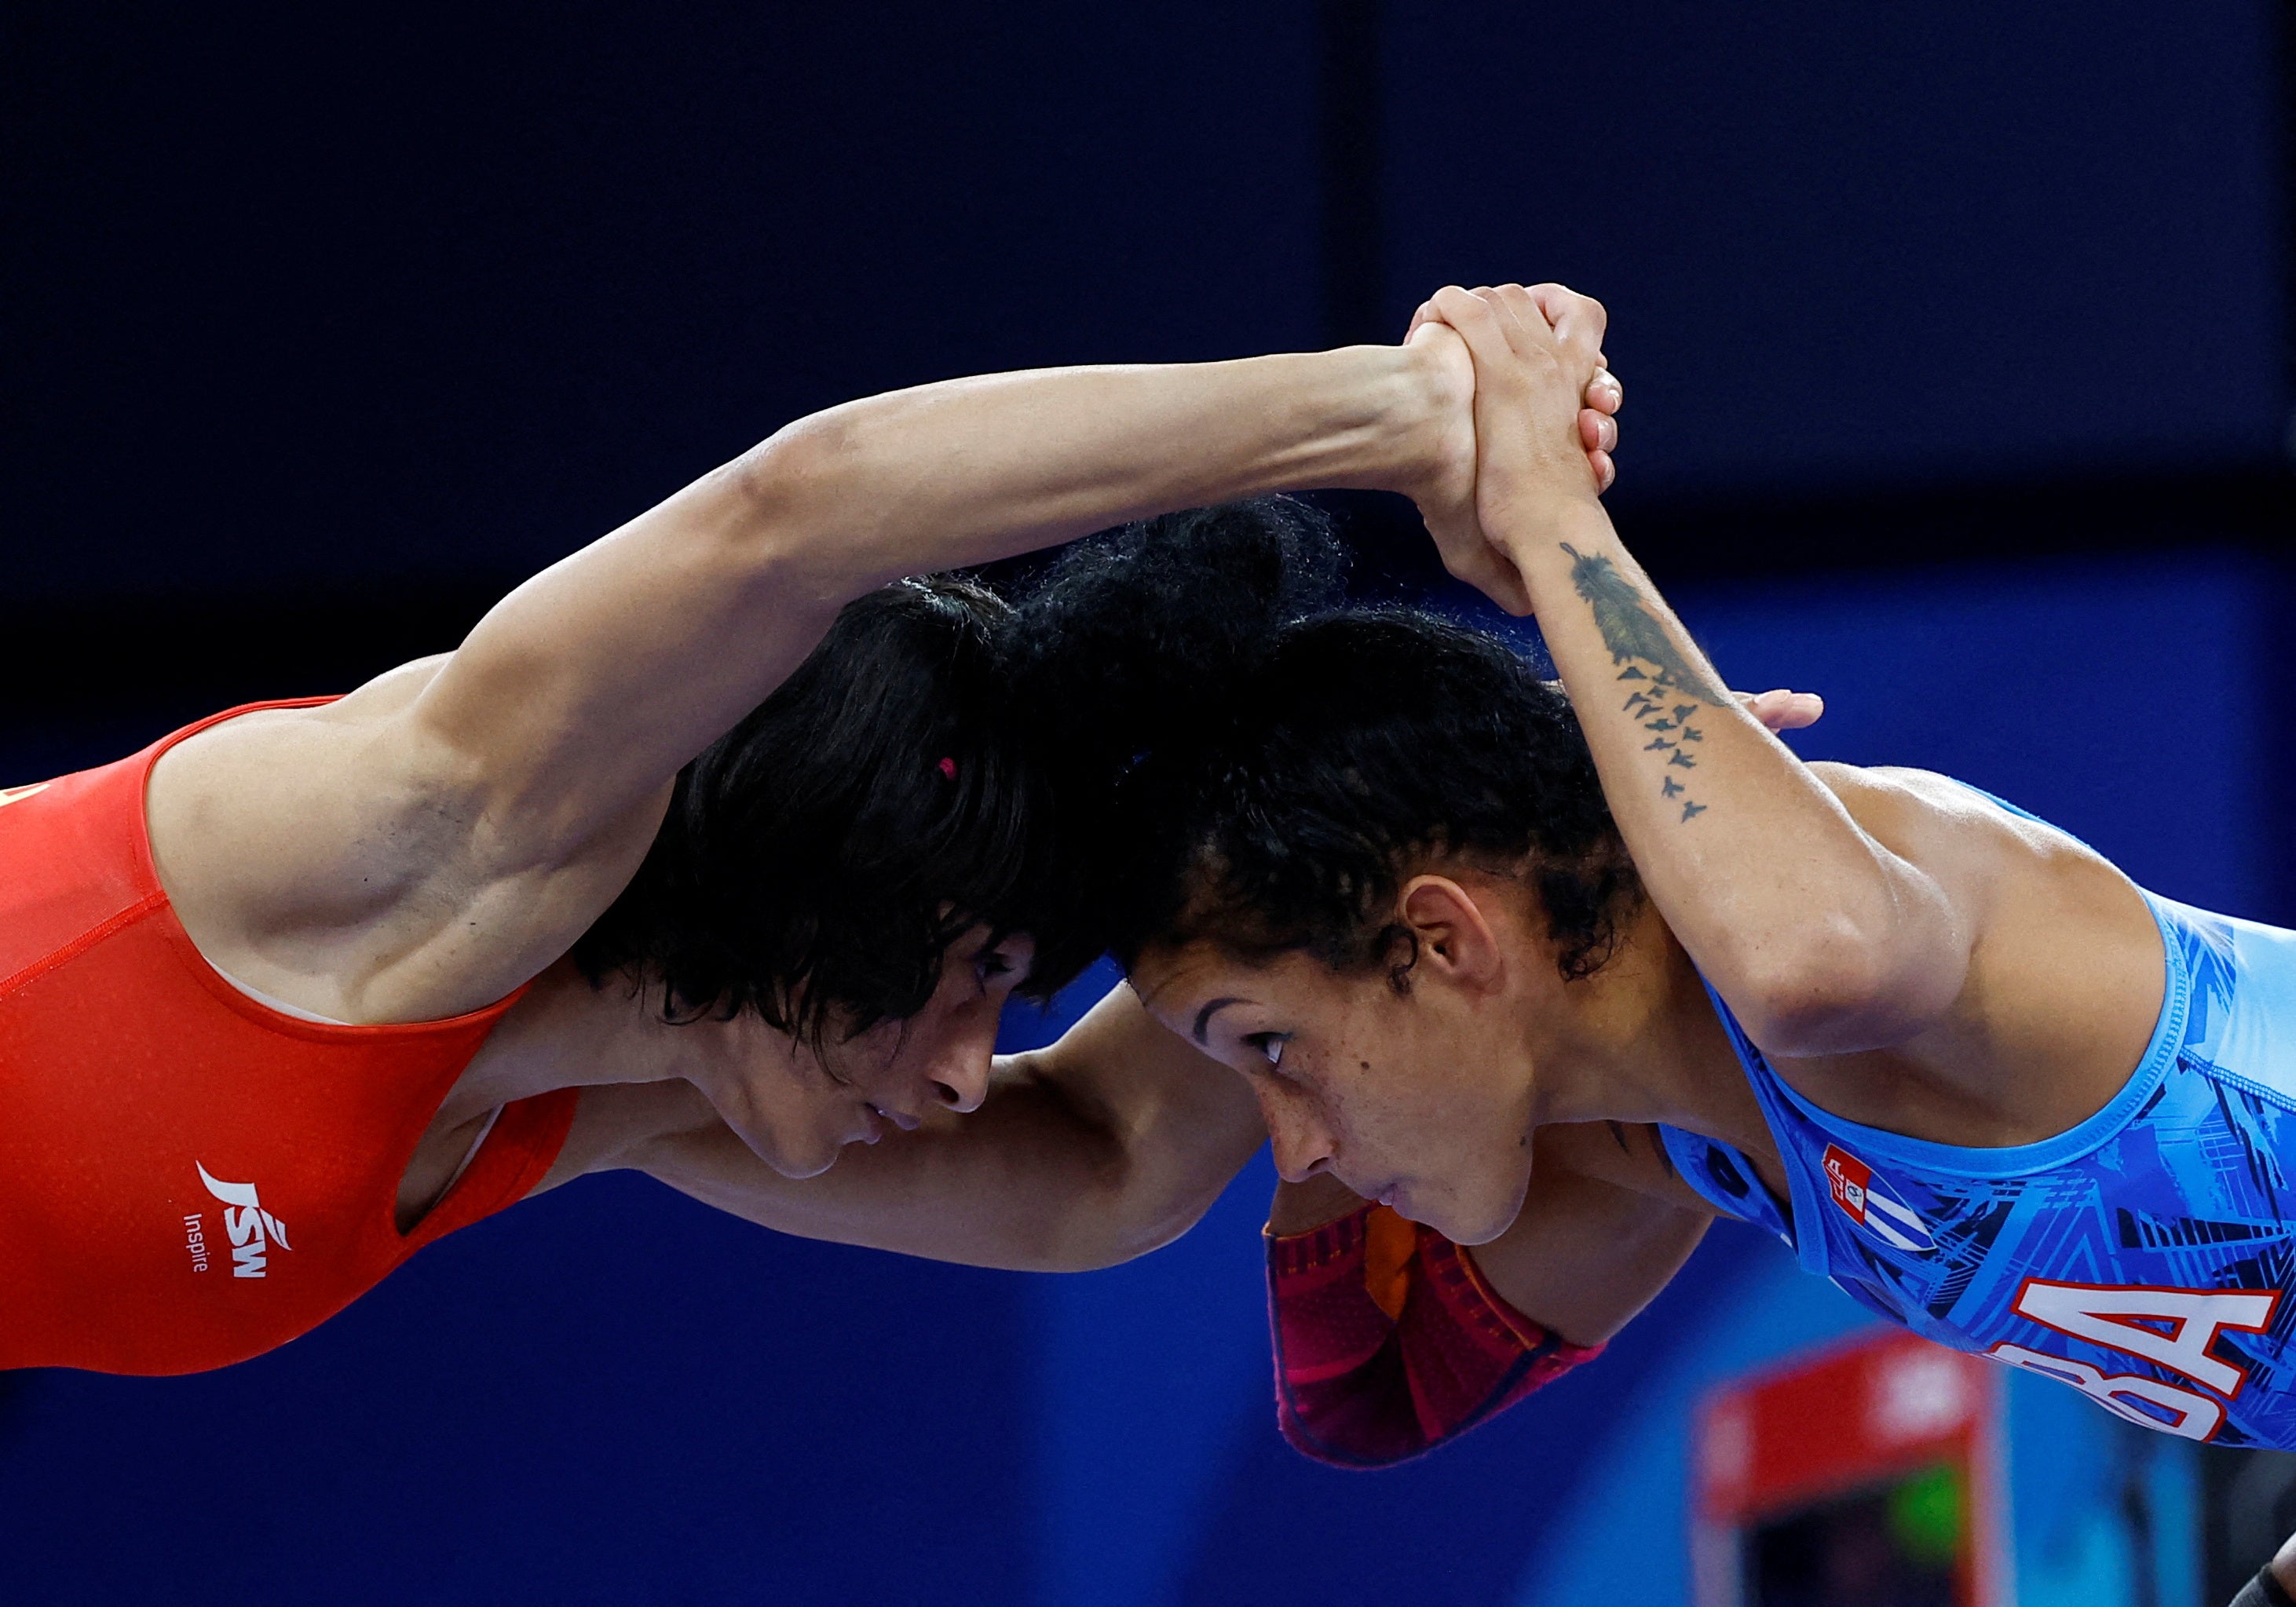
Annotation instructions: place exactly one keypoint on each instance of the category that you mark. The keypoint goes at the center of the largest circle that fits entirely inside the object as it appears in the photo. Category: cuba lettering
(2172, 1328)
(2195, 1416)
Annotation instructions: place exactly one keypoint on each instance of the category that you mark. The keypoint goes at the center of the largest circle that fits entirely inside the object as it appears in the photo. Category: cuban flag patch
(1871, 1203)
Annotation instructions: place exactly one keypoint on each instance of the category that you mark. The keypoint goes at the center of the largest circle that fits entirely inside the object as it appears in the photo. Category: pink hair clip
(948, 768)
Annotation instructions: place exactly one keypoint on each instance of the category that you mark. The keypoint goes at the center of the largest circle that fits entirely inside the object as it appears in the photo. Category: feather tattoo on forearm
(1670, 691)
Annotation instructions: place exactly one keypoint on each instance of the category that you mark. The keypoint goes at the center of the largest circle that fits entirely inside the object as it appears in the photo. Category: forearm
(1083, 1156)
(968, 471)
(583, 691)
(1819, 937)
(1176, 1126)
(1026, 1182)
(1794, 913)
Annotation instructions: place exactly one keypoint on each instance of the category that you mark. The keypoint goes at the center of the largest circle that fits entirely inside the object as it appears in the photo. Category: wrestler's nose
(1300, 1142)
(958, 1078)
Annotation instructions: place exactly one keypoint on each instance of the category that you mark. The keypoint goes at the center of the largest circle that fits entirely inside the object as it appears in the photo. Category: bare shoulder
(251, 821)
(2065, 969)
(1925, 811)
(1986, 856)
(333, 857)
(227, 757)
(1896, 800)
(1952, 830)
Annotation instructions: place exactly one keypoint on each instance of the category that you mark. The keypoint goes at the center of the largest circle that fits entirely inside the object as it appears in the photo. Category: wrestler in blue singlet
(2141, 1257)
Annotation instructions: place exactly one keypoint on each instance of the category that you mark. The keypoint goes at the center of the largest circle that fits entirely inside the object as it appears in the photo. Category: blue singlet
(2142, 1257)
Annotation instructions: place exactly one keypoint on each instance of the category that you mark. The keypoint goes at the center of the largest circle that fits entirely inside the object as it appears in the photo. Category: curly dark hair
(1368, 745)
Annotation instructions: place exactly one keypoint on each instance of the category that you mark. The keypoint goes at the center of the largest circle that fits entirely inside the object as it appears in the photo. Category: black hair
(817, 860)
(1366, 746)
(1127, 643)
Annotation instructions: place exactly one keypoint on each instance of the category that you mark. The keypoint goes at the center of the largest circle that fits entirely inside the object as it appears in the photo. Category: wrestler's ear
(1455, 941)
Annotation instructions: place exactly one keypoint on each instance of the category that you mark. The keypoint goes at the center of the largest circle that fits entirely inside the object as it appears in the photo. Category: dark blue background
(315, 297)
(317, 328)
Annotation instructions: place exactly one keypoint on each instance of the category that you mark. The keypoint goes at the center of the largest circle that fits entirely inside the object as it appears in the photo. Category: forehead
(1178, 984)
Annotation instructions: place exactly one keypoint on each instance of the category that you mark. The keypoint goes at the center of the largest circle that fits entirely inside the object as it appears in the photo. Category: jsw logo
(252, 1229)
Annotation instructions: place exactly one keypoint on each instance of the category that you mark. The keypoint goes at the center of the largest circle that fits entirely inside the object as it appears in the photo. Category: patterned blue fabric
(2142, 1257)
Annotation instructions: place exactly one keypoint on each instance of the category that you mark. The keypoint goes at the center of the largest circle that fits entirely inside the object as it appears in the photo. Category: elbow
(1865, 964)
(1110, 1208)
(789, 513)
(783, 471)
(1129, 1222)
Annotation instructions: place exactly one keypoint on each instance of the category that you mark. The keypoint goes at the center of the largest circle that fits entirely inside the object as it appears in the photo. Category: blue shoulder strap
(1725, 1179)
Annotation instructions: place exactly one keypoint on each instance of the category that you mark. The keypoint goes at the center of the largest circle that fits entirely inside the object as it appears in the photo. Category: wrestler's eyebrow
(1205, 1016)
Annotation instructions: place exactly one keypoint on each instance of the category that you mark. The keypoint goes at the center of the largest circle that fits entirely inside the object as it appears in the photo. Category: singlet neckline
(270, 1003)
(277, 1015)
(246, 1001)
(297, 1013)
(2007, 1161)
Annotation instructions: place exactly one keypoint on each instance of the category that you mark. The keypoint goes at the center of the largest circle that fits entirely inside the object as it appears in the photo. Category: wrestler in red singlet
(723, 758)
(195, 1177)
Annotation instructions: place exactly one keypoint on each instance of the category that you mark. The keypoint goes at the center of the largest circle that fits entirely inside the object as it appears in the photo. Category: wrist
(1420, 402)
(1532, 539)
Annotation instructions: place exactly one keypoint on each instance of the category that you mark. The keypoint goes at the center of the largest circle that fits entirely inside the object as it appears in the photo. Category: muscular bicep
(1870, 951)
(2050, 966)
(322, 855)
(585, 689)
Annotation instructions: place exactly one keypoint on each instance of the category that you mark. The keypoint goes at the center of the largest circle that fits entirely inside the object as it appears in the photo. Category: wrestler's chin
(796, 1157)
(1463, 1216)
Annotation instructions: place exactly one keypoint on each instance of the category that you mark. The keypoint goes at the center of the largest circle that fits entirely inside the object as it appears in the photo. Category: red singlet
(192, 1177)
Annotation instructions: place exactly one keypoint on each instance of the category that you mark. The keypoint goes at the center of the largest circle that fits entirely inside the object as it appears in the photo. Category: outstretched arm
(1104, 1146)
(589, 685)
(425, 845)
(1821, 937)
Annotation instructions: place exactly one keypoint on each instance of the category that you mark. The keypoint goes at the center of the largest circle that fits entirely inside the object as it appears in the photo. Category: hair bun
(1138, 631)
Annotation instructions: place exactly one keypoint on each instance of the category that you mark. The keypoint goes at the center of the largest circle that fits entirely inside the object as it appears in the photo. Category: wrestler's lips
(878, 1118)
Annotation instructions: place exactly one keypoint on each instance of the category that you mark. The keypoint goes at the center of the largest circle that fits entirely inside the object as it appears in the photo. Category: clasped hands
(1535, 432)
